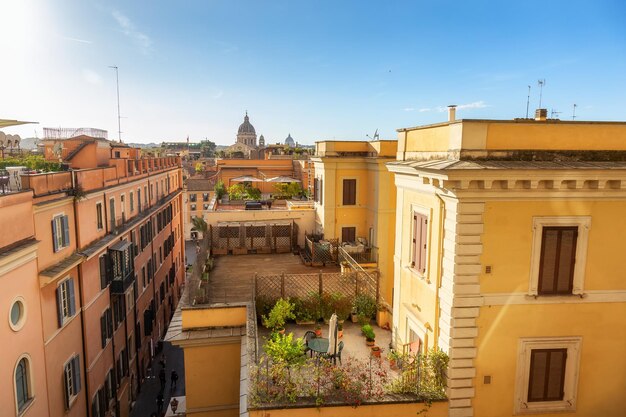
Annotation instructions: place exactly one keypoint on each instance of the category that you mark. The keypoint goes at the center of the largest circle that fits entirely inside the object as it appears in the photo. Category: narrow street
(146, 403)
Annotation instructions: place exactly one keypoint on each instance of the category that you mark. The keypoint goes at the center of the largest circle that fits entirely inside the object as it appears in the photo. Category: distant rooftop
(71, 132)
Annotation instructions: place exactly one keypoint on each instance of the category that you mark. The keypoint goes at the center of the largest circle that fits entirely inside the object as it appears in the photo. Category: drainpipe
(440, 270)
(80, 298)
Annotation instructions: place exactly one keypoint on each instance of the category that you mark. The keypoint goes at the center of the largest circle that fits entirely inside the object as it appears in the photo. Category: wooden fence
(348, 284)
(253, 237)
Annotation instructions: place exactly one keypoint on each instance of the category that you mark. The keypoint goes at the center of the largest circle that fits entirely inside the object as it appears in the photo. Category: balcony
(122, 270)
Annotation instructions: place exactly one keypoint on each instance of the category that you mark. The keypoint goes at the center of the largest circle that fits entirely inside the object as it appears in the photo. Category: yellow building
(509, 238)
(355, 202)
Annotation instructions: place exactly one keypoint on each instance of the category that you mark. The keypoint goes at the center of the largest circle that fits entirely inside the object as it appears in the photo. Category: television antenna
(541, 83)
(554, 113)
(574, 112)
(119, 118)
(375, 137)
(527, 102)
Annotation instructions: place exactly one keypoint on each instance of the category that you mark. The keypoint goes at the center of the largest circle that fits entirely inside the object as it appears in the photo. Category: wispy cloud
(91, 76)
(409, 109)
(69, 38)
(474, 105)
(218, 94)
(128, 28)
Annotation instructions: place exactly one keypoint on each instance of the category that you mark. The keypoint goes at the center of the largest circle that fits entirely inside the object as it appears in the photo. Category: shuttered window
(349, 192)
(348, 234)
(316, 191)
(66, 305)
(547, 374)
(71, 377)
(99, 221)
(106, 326)
(558, 257)
(104, 271)
(60, 232)
(419, 242)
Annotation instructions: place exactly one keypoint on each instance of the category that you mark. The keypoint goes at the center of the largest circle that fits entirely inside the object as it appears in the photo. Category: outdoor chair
(335, 356)
(307, 337)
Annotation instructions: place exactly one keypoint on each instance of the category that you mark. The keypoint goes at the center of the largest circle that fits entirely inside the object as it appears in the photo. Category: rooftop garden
(32, 162)
(295, 371)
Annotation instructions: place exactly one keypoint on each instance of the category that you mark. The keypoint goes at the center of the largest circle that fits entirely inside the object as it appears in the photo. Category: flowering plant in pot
(393, 357)
(318, 330)
(376, 351)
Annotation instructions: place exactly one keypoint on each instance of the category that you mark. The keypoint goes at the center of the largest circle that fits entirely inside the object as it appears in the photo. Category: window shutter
(70, 285)
(423, 243)
(414, 256)
(558, 258)
(321, 191)
(103, 272)
(109, 323)
(54, 236)
(60, 306)
(66, 230)
(76, 371)
(66, 385)
(103, 330)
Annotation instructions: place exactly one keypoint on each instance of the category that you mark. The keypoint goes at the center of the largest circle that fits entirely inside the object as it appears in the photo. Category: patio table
(318, 345)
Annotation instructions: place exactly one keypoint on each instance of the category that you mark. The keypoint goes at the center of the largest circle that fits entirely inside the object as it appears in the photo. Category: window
(23, 391)
(106, 327)
(205, 196)
(132, 201)
(66, 306)
(99, 404)
(192, 197)
(118, 310)
(193, 207)
(349, 192)
(547, 375)
(205, 206)
(17, 314)
(139, 199)
(100, 224)
(60, 232)
(71, 378)
(112, 212)
(348, 234)
(105, 273)
(419, 242)
(559, 253)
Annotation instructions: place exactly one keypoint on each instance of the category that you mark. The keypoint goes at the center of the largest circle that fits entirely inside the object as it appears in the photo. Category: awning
(121, 245)
(7, 122)
(246, 178)
(283, 179)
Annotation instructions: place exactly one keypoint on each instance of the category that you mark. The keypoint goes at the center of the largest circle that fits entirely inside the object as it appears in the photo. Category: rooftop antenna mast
(574, 112)
(527, 102)
(119, 118)
(541, 83)
(553, 113)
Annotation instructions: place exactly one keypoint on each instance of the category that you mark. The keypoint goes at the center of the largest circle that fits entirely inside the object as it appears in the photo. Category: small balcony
(122, 270)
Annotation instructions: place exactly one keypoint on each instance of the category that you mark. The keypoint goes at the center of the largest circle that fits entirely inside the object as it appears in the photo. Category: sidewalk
(146, 400)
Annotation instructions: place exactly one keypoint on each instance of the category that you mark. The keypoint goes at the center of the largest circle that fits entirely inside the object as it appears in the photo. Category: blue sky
(318, 70)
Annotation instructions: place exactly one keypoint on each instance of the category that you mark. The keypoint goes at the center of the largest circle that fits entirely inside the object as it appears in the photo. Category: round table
(318, 345)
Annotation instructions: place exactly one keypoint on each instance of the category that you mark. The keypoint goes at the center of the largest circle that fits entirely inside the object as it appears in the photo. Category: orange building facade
(91, 263)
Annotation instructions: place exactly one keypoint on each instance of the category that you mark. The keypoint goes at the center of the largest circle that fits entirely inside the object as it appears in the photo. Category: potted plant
(365, 307)
(318, 330)
(340, 330)
(393, 357)
(370, 336)
(304, 310)
(280, 313)
(353, 316)
(342, 306)
(376, 351)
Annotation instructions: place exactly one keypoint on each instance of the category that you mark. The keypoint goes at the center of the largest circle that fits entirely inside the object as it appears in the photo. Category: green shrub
(278, 316)
(305, 309)
(282, 348)
(365, 307)
(368, 332)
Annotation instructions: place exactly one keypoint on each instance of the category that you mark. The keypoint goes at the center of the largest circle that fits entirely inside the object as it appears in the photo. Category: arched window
(23, 391)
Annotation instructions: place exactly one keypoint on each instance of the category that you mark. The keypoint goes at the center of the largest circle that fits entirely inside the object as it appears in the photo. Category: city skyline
(320, 72)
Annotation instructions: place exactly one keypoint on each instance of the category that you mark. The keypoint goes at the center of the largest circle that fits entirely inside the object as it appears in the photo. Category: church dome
(246, 126)
(289, 141)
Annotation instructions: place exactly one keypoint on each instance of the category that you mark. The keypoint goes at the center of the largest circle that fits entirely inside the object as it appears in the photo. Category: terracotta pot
(339, 334)
(376, 352)
(392, 363)
(318, 332)
(354, 318)
(281, 331)
(369, 343)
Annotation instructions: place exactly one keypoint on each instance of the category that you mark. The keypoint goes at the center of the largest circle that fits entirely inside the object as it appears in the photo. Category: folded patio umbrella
(332, 335)
(246, 178)
(283, 179)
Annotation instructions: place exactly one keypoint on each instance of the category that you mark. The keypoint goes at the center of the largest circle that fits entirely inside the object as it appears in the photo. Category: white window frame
(65, 299)
(101, 219)
(29, 384)
(69, 378)
(570, 384)
(22, 320)
(415, 325)
(584, 224)
(59, 237)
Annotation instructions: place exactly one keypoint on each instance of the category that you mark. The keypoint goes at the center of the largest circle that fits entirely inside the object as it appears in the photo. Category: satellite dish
(375, 137)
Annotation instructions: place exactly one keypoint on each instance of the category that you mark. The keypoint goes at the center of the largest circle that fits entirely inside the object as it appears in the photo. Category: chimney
(452, 112)
(541, 114)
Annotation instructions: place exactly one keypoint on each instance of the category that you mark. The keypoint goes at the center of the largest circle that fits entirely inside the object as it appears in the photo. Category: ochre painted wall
(437, 409)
